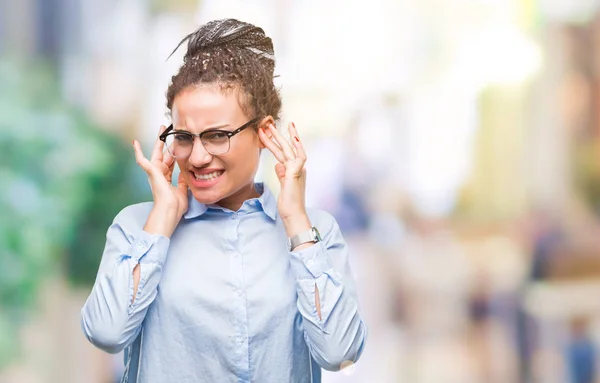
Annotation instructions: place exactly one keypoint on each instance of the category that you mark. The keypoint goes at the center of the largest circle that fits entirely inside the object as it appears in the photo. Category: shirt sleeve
(337, 337)
(109, 319)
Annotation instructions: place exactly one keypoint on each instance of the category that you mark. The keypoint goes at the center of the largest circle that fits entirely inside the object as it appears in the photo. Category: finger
(283, 143)
(157, 152)
(167, 153)
(170, 164)
(141, 160)
(168, 173)
(168, 159)
(272, 146)
(300, 153)
(181, 184)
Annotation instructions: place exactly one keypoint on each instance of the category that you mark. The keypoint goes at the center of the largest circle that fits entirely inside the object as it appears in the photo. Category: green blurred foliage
(63, 180)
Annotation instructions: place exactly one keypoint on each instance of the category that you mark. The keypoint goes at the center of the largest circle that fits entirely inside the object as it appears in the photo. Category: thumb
(280, 170)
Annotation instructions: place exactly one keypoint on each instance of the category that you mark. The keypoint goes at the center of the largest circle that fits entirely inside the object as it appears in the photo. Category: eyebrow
(215, 127)
(205, 130)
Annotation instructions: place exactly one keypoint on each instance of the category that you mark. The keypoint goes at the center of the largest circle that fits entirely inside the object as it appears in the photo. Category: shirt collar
(266, 201)
(195, 208)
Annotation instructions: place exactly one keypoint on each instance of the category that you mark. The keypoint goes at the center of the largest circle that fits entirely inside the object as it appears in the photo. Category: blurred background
(456, 142)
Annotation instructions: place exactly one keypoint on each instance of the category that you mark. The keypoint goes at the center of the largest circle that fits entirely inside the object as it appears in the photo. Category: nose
(199, 156)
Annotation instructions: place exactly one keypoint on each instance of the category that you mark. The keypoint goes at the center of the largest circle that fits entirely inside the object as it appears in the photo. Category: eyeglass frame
(169, 131)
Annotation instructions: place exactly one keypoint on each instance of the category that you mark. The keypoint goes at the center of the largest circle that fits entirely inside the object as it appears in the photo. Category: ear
(264, 123)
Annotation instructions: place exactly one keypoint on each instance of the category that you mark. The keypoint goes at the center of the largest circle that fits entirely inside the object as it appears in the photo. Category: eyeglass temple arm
(247, 124)
(164, 134)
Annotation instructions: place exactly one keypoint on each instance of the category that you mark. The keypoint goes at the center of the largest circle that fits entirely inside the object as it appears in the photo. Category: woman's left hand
(289, 169)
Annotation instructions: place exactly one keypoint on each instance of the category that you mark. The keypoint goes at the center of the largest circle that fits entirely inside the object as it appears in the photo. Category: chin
(206, 196)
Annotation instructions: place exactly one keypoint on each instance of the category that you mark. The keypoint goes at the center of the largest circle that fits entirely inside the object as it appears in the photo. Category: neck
(235, 201)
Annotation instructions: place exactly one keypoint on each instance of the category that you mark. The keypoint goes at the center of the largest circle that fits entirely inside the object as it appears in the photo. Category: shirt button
(142, 244)
(240, 293)
(234, 216)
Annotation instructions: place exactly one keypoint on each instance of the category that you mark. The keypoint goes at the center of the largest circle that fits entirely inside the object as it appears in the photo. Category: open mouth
(206, 180)
(207, 177)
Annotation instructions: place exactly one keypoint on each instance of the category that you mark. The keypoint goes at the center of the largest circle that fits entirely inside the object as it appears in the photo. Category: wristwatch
(310, 235)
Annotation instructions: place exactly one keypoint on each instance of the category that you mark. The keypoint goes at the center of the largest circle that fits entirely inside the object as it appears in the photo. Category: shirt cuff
(149, 248)
(311, 262)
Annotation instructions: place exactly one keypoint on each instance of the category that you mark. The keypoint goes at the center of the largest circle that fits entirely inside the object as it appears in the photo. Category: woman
(217, 280)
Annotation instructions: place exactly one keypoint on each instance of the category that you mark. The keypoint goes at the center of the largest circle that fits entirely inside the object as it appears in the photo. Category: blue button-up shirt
(224, 300)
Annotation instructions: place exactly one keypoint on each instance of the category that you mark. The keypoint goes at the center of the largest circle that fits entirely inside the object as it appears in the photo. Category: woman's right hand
(170, 202)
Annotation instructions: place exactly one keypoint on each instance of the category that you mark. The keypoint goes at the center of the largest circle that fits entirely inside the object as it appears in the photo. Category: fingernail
(297, 139)
(293, 125)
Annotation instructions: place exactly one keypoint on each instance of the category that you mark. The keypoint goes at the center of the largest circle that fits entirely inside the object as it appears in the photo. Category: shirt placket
(239, 299)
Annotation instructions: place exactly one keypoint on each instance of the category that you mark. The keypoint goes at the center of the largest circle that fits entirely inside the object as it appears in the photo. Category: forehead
(206, 105)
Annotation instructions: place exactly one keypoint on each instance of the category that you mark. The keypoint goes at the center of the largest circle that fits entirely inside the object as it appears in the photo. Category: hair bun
(227, 33)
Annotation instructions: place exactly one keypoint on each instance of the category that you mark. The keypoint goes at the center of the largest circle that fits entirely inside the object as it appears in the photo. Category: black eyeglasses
(216, 142)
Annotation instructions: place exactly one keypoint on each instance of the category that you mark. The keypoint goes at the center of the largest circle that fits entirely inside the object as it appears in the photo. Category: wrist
(296, 224)
(165, 207)
(162, 220)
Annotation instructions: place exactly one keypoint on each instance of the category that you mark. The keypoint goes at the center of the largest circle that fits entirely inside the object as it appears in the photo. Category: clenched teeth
(208, 176)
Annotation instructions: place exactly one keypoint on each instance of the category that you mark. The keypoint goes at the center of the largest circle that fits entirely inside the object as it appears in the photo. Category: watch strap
(310, 235)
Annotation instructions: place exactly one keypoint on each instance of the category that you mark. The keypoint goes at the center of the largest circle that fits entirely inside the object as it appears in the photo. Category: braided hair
(235, 55)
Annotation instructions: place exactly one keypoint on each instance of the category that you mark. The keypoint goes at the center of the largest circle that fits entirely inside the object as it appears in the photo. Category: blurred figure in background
(581, 353)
